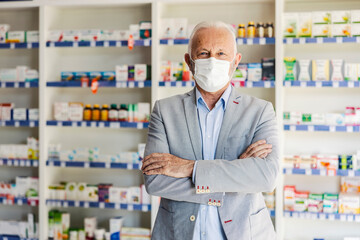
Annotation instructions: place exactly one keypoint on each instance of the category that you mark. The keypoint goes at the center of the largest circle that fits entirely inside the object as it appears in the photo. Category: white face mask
(211, 74)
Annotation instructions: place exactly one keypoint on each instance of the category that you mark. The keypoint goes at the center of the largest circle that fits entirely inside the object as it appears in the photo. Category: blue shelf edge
(111, 43)
(33, 84)
(247, 84)
(19, 45)
(321, 128)
(320, 40)
(98, 124)
(101, 205)
(321, 172)
(57, 163)
(323, 216)
(19, 162)
(239, 41)
(334, 84)
(114, 84)
(16, 123)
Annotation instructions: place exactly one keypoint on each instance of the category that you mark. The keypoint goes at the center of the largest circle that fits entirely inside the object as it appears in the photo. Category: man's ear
(238, 58)
(189, 62)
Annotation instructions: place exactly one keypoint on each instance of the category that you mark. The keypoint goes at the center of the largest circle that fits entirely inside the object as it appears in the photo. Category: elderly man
(211, 152)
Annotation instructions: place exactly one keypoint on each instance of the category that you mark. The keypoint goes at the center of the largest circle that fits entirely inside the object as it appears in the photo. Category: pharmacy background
(79, 79)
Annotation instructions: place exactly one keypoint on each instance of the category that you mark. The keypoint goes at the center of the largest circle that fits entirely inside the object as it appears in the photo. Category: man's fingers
(255, 144)
(154, 172)
(259, 153)
(153, 166)
(259, 148)
(150, 161)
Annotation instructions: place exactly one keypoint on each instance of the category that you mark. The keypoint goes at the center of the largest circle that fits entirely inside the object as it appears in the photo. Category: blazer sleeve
(178, 189)
(249, 175)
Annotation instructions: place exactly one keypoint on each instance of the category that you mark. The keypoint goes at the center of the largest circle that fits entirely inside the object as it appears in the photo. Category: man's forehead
(222, 38)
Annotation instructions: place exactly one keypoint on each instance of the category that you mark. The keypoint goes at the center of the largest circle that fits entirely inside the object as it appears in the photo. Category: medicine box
(290, 24)
(254, 72)
(321, 17)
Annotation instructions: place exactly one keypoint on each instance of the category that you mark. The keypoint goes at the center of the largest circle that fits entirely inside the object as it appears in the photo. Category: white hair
(216, 24)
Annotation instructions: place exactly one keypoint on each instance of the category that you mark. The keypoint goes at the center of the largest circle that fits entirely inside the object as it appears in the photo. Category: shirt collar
(223, 99)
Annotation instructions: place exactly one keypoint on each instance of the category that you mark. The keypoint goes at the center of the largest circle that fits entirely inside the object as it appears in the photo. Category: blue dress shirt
(208, 224)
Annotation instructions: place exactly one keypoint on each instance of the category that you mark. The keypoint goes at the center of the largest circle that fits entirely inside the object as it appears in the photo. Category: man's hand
(258, 149)
(167, 164)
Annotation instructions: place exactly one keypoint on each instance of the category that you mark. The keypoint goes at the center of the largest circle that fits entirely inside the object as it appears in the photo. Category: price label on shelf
(101, 125)
(118, 44)
(117, 205)
(59, 124)
(107, 165)
(351, 173)
(75, 44)
(58, 203)
(19, 202)
(335, 84)
(240, 41)
(319, 40)
(4, 201)
(288, 171)
(302, 215)
(303, 84)
(339, 40)
(262, 41)
(349, 128)
(130, 207)
(27, 85)
(63, 164)
(92, 44)
(141, 85)
(16, 163)
(65, 204)
(74, 124)
(249, 84)
(17, 124)
(3, 85)
(357, 218)
(322, 216)
(86, 204)
(124, 84)
(267, 84)
(144, 208)
(83, 124)
(2, 123)
(178, 84)
(357, 39)
(33, 203)
(350, 218)
(16, 85)
(29, 45)
(86, 165)
(51, 163)
(147, 42)
(318, 84)
(342, 218)
(292, 128)
(314, 216)
(1, 162)
(118, 85)
(140, 125)
(350, 84)
(9, 163)
(12, 45)
(332, 129)
(32, 124)
(295, 215)
(131, 84)
(322, 172)
(302, 40)
(308, 171)
(311, 128)
(114, 125)
(36, 163)
(331, 172)
(93, 124)
(171, 42)
(22, 163)
(77, 203)
(167, 84)
(102, 205)
(129, 166)
(250, 41)
(289, 40)
(287, 214)
(52, 44)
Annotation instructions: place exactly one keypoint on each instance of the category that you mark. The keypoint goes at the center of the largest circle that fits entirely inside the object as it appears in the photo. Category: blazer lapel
(227, 123)
(192, 122)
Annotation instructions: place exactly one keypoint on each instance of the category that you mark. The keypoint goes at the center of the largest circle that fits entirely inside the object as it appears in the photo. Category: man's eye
(221, 53)
(203, 53)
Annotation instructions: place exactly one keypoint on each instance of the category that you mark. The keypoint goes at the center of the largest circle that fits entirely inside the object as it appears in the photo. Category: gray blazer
(234, 185)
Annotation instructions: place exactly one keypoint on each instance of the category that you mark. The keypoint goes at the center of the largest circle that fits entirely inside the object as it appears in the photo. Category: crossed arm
(169, 176)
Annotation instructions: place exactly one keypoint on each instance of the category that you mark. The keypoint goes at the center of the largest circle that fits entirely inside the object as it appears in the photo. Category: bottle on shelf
(123, 113)
(269, 30)
(87, 112)
(113, 113)
(95, 113)
(251, 30)
(260, 30)
(105, 113)
(241, 31)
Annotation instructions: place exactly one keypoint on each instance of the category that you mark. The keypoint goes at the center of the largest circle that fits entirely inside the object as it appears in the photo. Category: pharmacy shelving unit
(52, 58)
(22, 95)
(318, 97)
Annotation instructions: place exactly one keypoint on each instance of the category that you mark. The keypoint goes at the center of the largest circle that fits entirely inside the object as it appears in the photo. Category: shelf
(13, 123)
(19, 84)
(111, 84)
(99, 124)
(78, 164)
(19, 201)
(240, 41)
(321, 172)
(12, 237)
(321, 40)
(238, 84)
(323, 216)
(319, 84)
(124, 43)
(19, 45)
(18, 162)
(321, 128)
(101, 205)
